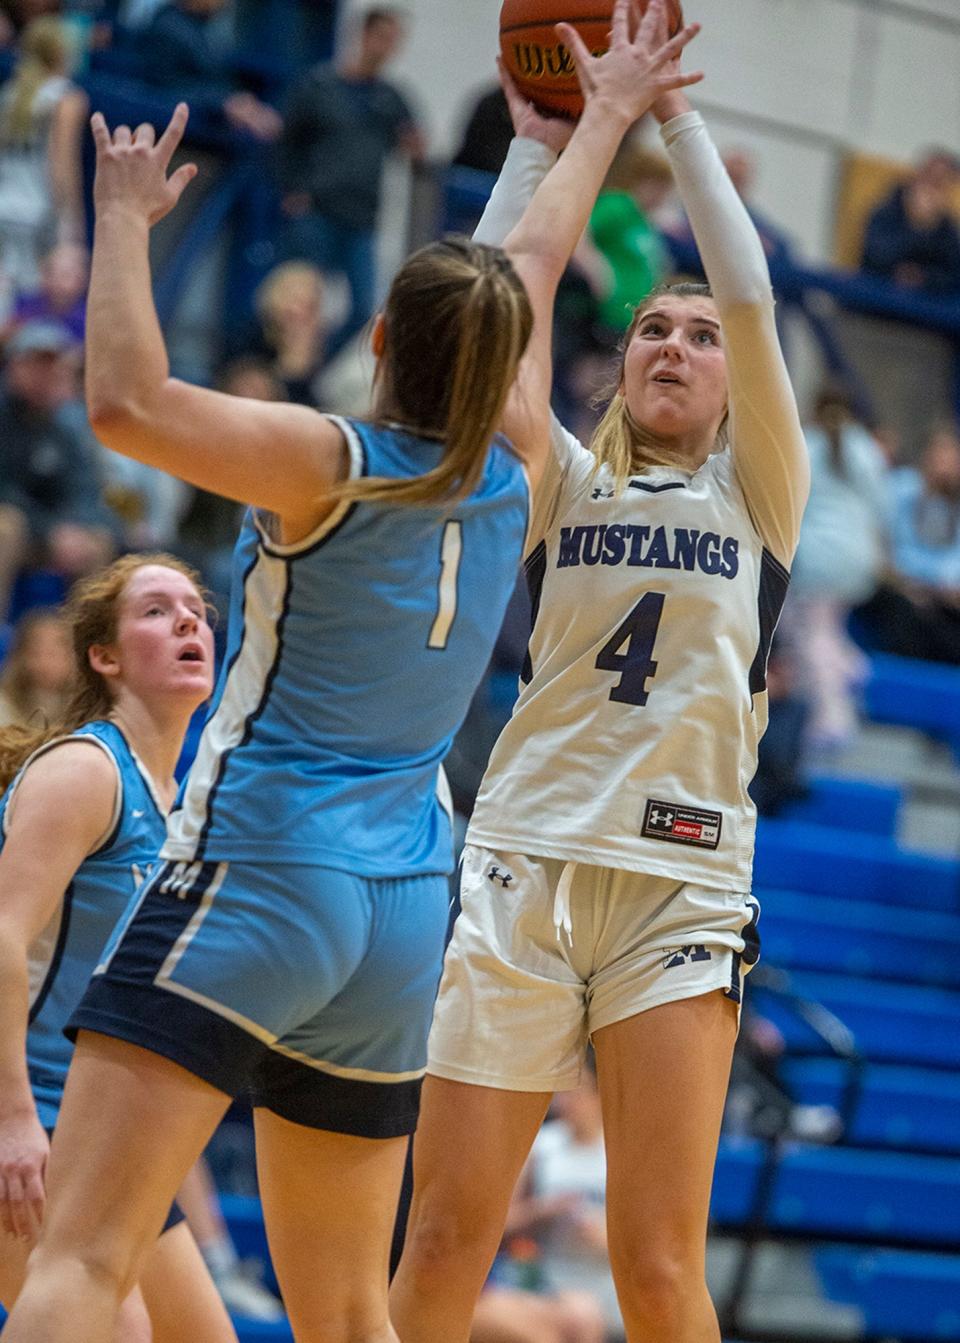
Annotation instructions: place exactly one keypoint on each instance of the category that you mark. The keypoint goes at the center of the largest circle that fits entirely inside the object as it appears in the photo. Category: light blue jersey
(351, 660)
(65, 954)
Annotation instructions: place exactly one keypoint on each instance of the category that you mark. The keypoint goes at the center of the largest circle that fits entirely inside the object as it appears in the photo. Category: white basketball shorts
(545, 953)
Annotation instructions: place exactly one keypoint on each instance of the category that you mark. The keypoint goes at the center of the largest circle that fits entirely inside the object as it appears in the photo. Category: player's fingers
(678, 81)
(653, 23)
(173, 134)
(99, 131)
(620, 24)
(670, 51)
(515, 99)
(580, 53)
(122, 136)
(19, 1214)
(144, 134)
(182, 178)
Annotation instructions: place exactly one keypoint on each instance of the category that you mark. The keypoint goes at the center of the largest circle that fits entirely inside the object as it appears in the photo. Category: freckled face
(675, 370)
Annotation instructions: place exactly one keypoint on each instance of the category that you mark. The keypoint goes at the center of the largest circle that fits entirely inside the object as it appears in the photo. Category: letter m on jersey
(694, 952)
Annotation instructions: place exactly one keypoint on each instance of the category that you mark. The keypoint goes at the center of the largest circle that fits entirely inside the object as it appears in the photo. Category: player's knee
(438, 1239)
(109, 1267)
(656, 1287)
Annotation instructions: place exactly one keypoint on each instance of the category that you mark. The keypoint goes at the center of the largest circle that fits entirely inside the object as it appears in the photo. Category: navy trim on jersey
(305, 1095)
(770, 598)
(237, 1063)
(54, 966)
(535, 570)
(656, 489)
(258, 710)
(162, 915)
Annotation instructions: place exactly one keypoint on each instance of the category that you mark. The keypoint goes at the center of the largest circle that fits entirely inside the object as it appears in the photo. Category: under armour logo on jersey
(495, 874)
(661, 820)
(601, 493)
(681, 955)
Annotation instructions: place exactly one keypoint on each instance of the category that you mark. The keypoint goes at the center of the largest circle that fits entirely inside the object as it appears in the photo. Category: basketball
(537, 60)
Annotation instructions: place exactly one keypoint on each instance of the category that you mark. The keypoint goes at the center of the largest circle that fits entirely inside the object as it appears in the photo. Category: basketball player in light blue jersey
(289, 944)
(81, 820)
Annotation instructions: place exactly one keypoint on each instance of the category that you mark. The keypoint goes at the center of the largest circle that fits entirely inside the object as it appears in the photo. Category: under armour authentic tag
(681, 825)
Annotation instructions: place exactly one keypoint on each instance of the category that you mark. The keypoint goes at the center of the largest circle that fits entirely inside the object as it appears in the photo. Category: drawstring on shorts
(562, 917)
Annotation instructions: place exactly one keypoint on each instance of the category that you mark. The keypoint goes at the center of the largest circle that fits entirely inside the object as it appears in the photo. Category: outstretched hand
(132, 167)
(637, 70)
(554, 132)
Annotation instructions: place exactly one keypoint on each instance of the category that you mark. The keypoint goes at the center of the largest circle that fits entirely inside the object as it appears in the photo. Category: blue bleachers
(815, 858)
(897, 1106)
(813, 932)
(904, 1292)
(835, 1191)
(892, 1023)
(922, 695)
(850, 804)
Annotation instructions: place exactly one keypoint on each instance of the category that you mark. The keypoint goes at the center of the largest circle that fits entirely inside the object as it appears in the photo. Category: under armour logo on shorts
(495, 874)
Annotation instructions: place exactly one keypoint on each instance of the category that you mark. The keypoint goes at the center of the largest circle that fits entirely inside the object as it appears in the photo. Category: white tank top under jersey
(635, 735)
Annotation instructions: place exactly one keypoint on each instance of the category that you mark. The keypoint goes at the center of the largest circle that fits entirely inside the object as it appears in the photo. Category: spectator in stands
(51, 505)
(341, 122)
(622, 228)
(184, 56)
(916, 613)
(780, 778)
(290, 305)
(487, 134)
(62, 293)
(839, 562)
(42, 117)
(912, 237)
(38, 670)
(741, 167)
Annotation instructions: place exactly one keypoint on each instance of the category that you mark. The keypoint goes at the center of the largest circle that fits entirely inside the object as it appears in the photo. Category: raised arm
(618, 87)
(61, 810)
(278, 457)
(769, 452)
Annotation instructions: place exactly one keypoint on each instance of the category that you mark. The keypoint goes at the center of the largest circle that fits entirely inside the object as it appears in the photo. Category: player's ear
(378, 336)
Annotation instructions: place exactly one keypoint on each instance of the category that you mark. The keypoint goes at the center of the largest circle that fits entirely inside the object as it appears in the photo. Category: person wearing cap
(52, 511)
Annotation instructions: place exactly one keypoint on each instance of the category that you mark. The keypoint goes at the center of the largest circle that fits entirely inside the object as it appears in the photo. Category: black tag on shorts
(681, 825)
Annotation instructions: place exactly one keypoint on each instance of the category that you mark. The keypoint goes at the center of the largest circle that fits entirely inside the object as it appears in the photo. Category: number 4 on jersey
(630, 650)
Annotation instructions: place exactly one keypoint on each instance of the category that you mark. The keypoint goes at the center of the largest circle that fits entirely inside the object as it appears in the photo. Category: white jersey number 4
(629, 650)
(451, 550)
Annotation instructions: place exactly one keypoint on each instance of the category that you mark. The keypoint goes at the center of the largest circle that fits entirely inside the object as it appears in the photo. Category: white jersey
(635, 735)
(643, 702)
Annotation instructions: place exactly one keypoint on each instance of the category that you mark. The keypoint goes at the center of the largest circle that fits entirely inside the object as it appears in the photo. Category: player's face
(675, 371)
(164, 642)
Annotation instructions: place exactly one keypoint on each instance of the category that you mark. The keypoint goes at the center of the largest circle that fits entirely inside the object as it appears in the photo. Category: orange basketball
(540, 64)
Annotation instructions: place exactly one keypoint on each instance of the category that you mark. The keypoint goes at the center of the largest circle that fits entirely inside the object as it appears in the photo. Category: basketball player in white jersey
(606, 879)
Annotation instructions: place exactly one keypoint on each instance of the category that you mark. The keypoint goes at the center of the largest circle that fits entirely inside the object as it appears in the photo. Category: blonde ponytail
(45, 51)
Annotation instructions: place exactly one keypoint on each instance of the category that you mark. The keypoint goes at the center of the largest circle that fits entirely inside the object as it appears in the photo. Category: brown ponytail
(92, 613)
(457, 321)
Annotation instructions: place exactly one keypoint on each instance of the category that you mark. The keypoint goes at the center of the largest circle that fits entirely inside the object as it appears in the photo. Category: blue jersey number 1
(635, 661)
(451, 550)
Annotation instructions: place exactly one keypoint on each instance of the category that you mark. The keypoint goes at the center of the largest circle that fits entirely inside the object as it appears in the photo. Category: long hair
(16, 684)
(457, 321)
(44, 51)
(618, 442)
(92, 612)
(832, 412)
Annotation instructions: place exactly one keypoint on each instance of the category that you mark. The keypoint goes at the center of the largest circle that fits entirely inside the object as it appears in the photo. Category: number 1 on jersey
(451, 549)
(635, 662)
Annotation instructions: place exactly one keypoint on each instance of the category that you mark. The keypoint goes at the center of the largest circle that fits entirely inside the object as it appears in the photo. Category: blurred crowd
(878, 567)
